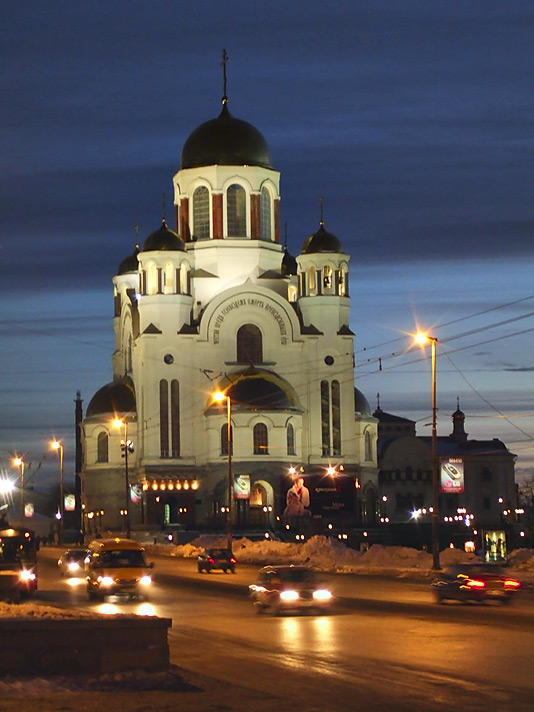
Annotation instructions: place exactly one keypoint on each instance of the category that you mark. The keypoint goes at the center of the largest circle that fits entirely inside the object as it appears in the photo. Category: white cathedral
(220, 305)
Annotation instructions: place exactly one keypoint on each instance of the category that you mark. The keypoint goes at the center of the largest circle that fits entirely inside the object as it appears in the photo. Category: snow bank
(323, 553)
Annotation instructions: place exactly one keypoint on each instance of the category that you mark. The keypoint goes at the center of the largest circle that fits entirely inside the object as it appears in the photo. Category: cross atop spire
(223, 65)
(321, 209)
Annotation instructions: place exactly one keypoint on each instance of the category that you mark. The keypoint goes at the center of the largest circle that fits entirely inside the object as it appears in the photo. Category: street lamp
(19, 462)
(126, 447)
(58, 446)
(219, 396)
(421, 338)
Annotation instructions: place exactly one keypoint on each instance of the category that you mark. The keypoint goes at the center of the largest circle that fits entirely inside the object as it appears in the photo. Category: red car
(477, 582)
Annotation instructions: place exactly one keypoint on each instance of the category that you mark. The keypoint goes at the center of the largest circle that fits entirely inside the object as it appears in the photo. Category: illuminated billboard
(241, 486)
(452, 474)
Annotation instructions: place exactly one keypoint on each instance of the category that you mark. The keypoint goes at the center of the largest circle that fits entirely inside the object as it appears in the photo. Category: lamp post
(58, 446)
(219, 396)
(126, 447)
(423, 339)
(19, 462)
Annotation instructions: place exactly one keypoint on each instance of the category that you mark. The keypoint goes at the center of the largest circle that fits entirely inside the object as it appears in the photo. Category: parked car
(212, 559)
(478, 582)
(72, 562)
(289, 588)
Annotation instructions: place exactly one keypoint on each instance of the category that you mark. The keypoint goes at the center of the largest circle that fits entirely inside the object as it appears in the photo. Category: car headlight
(145, 580)
(106, 581)
(73, 566)
(26, 575)
(322, 594)
(289, 595)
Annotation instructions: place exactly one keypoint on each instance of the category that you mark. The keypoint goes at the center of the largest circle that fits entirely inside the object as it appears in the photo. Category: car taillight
(512, 583)
(233, 561)
(212, 561)
(475, 583)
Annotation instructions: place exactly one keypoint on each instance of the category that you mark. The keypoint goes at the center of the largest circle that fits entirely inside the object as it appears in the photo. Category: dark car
(477, 582)
(212, 559)
(289, 588)
(72, 563)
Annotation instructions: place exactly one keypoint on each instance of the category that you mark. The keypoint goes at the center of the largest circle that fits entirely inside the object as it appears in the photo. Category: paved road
(386, 647)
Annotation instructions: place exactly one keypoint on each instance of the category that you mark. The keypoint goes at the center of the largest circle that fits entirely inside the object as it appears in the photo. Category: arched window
(258, 496)
(336, 419)
(175, 418)
(168, 279)
(368, 446)
(325, 418)
(261, 444)
(102, 448)
(184, 279)
(224, 440)
(327, 279)
(164, 418)
(290, 439)
(265, 215)
(312, 282)
(236, 215)
(249, 344)
(201, 213)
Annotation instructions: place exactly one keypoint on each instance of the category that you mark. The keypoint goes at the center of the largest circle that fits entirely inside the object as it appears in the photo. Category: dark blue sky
(414, 121)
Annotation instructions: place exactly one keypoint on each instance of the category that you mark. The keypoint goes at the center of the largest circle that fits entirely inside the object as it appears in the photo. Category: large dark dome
(129, 264)
(226, 141)
(113, 398)
(163, 239)
(321, 241)
(255, 389)
(361, 404)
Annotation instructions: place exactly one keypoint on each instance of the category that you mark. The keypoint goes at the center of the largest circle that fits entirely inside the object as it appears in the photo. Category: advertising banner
(136, 493)
(241, 486)
(29, 509)
(70, 503)
(452, 474)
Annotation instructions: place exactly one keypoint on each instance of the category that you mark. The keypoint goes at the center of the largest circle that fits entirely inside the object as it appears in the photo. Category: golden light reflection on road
(310, 634)
(143, 609)
(74, 582)
(108, 608)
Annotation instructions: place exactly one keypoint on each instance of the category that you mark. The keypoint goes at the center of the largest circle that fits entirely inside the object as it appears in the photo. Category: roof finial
(223, 65)
(321, 209)
(163, 210)
(457, 402)
(285, 236)
(136, 228)
(378, 401)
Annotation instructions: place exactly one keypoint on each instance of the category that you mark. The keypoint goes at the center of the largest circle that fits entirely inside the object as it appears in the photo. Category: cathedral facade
(219, 305)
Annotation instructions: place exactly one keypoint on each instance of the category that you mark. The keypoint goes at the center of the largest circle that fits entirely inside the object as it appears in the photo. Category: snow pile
(325, 554)
(36, 610)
